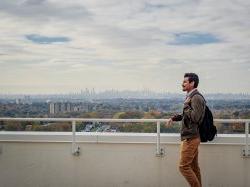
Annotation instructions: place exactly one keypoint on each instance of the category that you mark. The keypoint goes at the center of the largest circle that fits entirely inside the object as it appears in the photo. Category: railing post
(159, 151)
(246, 151)
(75, 150)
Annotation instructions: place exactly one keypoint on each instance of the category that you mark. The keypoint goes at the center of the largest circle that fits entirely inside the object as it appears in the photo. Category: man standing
(193, 113)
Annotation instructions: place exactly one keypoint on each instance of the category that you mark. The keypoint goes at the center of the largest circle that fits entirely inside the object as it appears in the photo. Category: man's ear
(192, 84)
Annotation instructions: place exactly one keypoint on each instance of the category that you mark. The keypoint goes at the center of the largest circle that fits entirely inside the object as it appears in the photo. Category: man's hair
(192, 77)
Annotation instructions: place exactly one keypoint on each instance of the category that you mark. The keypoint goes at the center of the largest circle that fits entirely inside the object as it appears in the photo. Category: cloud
(44, 10)
(34, 2)
(154, 7)
(46, 39)
(194, 39)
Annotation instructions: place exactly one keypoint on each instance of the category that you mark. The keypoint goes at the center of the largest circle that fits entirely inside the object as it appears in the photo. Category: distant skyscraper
(68, 107)
(18, 101)
(57, 108)
(52, 108)
(27, 100)
(63, 107)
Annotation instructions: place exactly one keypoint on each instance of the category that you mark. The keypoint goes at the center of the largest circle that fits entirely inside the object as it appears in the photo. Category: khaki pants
(189, 166)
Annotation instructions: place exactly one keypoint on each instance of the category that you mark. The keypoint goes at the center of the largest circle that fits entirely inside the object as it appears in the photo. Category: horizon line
(120, 91)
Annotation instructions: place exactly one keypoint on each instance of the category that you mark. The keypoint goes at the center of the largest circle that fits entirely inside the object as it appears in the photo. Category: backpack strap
(198, 93)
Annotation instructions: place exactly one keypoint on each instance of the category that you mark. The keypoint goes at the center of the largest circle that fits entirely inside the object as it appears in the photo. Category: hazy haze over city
(55, 46)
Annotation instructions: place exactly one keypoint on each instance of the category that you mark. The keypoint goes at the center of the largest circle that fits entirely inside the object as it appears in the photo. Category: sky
(56, 46)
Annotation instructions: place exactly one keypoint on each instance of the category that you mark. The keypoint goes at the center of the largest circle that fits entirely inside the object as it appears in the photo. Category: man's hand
(169, 123)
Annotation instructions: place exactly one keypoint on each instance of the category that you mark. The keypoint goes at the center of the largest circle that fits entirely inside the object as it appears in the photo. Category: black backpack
(207, 129)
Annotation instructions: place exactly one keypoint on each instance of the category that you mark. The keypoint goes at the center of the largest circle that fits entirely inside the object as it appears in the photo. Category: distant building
(18, 101)
(76, 108)
(63, 107)
(55, 108)
(52, 108)
(27, 100)
(68, 107)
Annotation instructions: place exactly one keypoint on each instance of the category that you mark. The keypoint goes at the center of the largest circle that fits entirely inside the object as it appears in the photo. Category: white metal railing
(159, 151)
(245, 151)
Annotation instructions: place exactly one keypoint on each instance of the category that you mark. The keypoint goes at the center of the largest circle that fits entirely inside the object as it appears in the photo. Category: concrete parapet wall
(117, 160)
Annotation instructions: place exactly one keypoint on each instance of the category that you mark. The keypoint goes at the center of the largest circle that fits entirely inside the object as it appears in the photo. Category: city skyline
(51, 46)
(91, 94)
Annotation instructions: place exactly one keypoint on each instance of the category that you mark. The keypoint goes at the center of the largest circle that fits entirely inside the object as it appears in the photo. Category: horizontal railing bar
(83, 120)
(109, 120)
(232, 120)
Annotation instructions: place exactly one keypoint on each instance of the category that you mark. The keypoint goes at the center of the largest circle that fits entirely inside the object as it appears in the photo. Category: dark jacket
(192, 116)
